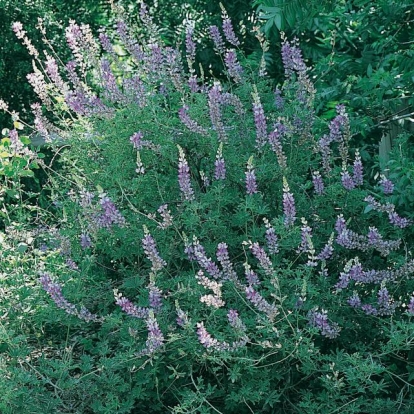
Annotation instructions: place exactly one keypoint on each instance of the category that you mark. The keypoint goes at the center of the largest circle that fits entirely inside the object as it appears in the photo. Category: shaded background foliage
(362, 53)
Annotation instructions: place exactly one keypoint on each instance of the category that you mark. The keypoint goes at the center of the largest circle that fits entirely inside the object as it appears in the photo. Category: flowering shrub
(212, 247)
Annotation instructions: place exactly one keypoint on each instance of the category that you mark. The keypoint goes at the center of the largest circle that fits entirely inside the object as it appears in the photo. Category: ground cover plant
(208, 246)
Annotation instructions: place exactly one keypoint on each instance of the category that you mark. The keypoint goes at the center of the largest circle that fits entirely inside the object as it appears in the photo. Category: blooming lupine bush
(211, 246)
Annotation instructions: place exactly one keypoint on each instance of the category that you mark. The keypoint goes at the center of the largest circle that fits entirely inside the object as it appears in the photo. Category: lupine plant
(211, 246)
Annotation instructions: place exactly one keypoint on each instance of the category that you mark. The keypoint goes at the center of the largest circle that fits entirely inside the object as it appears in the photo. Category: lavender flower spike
(259, 120)
(233, 66)
(347, 180)
(150, 249)
(128, 307)
(251, 185)
(271, 237)
(190, 123)
(217, 39)
(220, 166)
(289, 208)
(386, 185)
(318, 183)
(184, 176)
(55, 291)
(110, 215)
(320, 321)
(155, 337)
(228, 28)
(358, 170)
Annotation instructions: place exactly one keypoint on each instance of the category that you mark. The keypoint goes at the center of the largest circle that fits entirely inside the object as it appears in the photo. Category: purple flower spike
(358, 177)
(129, 308)
(215, 99)
(190, 123)
(347, 180)
(228, 28)
(318, 183)
(155, 336)
(320, 321)
(150, 249)
(260, 121)
(55, 291)
(217, 39)
(275, 141)
(233, 66)
(354, 301)
(85, 241)
(220, 166)
(410, 307)
(184, 176)
(386, 185)
(271, 238)
(279, 101)
(251, 185)
(261, 303)
(223, 257)
(190, 46)
(110, 215)
(292, 58)
(289, 208)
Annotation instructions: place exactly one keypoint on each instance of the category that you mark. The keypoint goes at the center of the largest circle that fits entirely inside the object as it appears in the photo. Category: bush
(212, 247)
